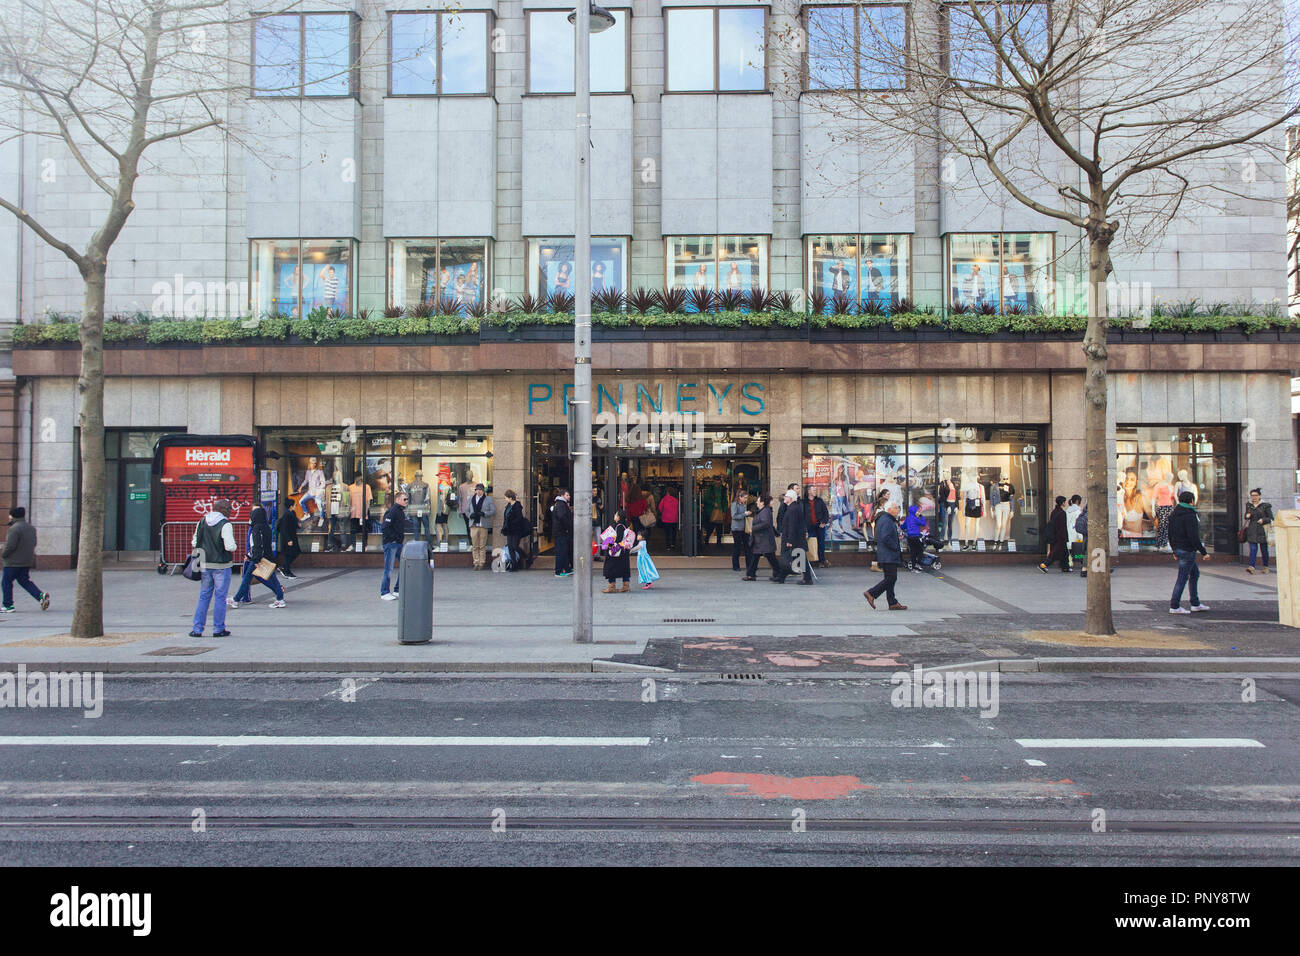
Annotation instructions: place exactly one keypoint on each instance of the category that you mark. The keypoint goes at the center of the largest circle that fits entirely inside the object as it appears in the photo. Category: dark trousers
(1059, 554)
(1261, 547)
(10, 575)
(751, 563)
(915, 547)
(787, 563)
(1188, 576)
(670, 534)
(887, 585)
(819, 532)
(289, 553)
(739, 547)
(563, 553)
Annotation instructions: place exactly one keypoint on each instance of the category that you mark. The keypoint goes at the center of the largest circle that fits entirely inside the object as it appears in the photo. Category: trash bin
(1287, 554)
(415, 594)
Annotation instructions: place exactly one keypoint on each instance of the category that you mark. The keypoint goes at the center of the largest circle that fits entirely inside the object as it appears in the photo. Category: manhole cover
(188, 650)
(690, 620)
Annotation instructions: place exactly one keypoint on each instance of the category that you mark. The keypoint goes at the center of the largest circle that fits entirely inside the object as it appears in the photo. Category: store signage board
(208, 464)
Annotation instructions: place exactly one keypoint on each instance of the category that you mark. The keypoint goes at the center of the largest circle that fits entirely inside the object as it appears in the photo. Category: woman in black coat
(763, 541)
(287, 528)
(514, 527)
(618, 562)
(259, 547)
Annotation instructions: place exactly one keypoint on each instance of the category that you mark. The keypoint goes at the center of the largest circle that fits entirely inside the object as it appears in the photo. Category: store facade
(696, 421)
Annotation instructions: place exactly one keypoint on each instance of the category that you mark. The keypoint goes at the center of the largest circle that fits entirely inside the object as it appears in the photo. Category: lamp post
(586, 19)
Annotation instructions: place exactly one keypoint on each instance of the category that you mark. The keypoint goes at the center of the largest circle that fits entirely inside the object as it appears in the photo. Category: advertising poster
(461, 282)
(839, 275)
(847, 484)
(974, 283)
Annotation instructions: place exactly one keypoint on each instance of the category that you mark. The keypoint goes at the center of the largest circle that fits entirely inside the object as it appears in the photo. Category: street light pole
(582, 461)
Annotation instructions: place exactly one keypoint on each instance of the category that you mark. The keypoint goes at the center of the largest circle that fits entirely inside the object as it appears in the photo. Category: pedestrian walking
(619, 540)
(287, 528)
(784, 505)
(889, 555)
(794, 540)
(514, 526)
(20, 557)
(259, 547)
(1185, 539)
(914, 527)
(762, 542)
(394, 533)
(214, 536)
(739, 536)
(1259, 515)
(481, 510)
(669, 511)
(819, 518)
(562, 533)
(1058, 538)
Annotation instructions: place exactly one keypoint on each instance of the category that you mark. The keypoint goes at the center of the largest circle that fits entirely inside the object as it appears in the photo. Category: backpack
(1081, 523)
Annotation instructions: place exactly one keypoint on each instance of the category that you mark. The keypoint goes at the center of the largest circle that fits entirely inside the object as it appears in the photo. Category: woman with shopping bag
(617, 541)
(646, 572)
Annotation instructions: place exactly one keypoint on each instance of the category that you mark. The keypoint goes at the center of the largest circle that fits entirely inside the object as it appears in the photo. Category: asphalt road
(797, 771)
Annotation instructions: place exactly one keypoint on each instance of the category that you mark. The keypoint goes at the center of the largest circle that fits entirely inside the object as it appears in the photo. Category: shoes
(870, 599)
(609, 589)
(287, 573)
(1179, 610)
(644, 587)
(747, 578)
(219, 634)
(231, 604)
(390, 596)
(45, 600)
(1261, 571)
(276, 603)
(898, 607)
(805, 582)
(7, 609)
(1065, 571)
(1200, 607)
(196, 633)
(626, 588)
(1043, 568)
(1250, 569)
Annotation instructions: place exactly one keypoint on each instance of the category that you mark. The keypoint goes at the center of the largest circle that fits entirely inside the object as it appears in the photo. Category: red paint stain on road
(770, 787)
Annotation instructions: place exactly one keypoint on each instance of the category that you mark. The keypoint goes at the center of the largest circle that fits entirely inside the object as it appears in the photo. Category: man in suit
(794, 539)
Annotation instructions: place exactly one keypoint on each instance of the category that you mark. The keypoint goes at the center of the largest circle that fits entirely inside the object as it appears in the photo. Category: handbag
(1241, 534)
(648, 519)
(749, 524)
(191, 570)
(812, 550)
(264, 569)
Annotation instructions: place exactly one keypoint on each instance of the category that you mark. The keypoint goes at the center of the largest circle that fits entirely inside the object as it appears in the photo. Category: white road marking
(1035, 763)
(1085, 742)
(268, 741)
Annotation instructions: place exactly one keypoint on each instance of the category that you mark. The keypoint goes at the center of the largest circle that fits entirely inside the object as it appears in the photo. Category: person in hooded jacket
(259, 547)
(287, 526)
(914, 526)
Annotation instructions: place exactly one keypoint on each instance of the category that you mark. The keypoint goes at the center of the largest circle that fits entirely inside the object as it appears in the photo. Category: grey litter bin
(415, 594)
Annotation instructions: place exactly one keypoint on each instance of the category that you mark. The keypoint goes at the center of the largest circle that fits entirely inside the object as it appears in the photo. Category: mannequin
(444, 506)
(359, 506)
(418, 491)
(340, 512)
(973, 509)
(1001, 494)
(1186, 484)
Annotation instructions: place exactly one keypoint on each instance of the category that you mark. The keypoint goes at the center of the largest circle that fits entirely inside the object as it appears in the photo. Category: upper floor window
(551, 57)
(857, 48)
(306, 54)
(716, 49)
(297, 276)
(438, 53)
(1002, 271)
(975, 33)
(864, 270)
(716, 263)
(551, 264)
(442, 272)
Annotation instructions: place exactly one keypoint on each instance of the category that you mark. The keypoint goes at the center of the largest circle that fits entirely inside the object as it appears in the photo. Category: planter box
(1231, 335)
(1268, 335)
(524, 333)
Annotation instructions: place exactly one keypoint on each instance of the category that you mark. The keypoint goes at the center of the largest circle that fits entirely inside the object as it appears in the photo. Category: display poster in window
(847, 484)
(310, 477)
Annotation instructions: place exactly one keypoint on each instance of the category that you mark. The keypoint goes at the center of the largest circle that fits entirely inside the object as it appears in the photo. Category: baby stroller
(929, 559)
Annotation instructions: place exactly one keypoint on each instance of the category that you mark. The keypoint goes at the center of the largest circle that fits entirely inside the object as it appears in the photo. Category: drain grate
(690, 620)
(741, 676)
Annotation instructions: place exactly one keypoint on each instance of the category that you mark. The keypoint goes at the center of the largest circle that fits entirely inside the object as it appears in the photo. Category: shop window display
(717, 263)
(1154, 465)
(551, 263)
(867, 269)
(433, 270)
(1010, 271)
(294, 276)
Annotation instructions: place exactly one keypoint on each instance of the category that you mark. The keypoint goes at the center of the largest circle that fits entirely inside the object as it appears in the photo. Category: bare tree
(1293, 219)
(1109, 116)
(109, 81)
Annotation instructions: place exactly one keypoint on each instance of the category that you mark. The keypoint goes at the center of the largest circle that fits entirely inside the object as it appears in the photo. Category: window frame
(1001, 246)
(354, 54)
(533, 283)
(765, 257)
(858, 238)
(485, 284)
(945, 38)
(354, 251)
(857, 47)
(528, 55)
(489, 80)
(717, 39)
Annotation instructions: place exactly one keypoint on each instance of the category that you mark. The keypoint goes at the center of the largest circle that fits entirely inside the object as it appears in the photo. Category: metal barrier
(177, 535)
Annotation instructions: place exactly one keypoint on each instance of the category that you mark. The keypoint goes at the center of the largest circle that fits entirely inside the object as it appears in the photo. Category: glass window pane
(415, 53)
(830, 46)
(462, 267)
(277, 41)
(886, 269)
(328, 54)
(413, 271)
(550, 52)
(882, 39)
(464, 53)
(277, 277)
(692, 262)
(834, 261)
(690, 50)
(973, 268)
(609, 56)
(742, 263)
(1025, 25)
(971, 56)
(1026, 275)
(740, 49)
(326, 281)
(553, 264)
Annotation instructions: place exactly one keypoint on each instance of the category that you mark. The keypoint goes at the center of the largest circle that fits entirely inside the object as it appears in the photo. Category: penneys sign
(689, 398)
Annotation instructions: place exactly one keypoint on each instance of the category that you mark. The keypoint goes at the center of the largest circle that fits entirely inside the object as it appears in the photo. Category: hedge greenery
(316, 328)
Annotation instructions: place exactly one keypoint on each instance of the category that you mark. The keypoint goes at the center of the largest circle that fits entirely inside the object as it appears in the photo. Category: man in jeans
(394, 529)
(20, 557)
(739, 538)
(214, 537)
(1185, 539)
(481, 510)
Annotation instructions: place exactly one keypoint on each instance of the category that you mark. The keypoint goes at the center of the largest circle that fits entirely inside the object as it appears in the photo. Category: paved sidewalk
(699, 621)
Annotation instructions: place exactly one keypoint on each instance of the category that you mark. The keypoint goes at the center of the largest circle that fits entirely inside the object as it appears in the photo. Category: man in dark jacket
(259, 547)
(562, 533)
(1058, 538)
(889, 555)
(1185, 539)
(794, 540)
(819, 518)
(19, 559)
(394, 529)
(287, 527)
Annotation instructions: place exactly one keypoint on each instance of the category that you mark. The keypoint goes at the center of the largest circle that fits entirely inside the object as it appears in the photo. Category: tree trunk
(88, 608)
(1098, 620)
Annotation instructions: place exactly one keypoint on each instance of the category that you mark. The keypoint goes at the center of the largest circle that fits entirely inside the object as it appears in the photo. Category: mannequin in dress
(1002, 511)
(973, 507)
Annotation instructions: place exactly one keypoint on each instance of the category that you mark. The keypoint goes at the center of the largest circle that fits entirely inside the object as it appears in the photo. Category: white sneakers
(1200, 607)
(390, 596)
(276, 603)
(1195, 608)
